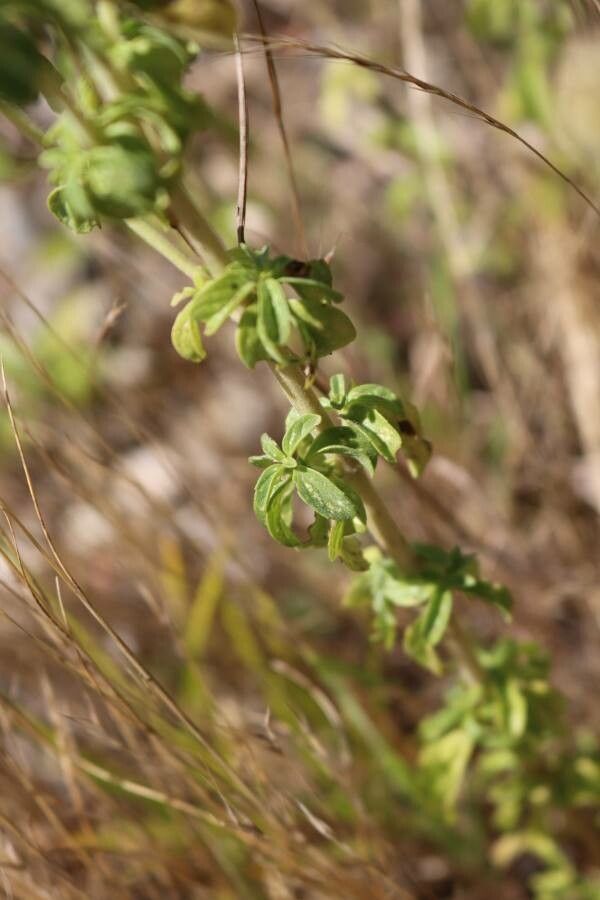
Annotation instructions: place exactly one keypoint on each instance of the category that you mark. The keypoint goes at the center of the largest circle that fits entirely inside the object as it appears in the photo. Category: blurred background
(471, 271)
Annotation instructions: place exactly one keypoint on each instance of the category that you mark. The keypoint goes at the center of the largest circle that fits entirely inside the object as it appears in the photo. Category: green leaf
(216, 293)
(311, 289)
(325, 328)
(345, 441)
(322, 495)
(247, 342)
(261, 462)
(300, 428)
(377, 430)
(516, 708)
(443, 765)
(435, 618)
(427, 630)
(352, 554)
(337, 390)
(281, 309)
(279, 518)
(362, 392)
(495, 594)
(69, 204)
(407, 593)
(218, 318)
(186, 337)
(336, 539)
(271, 480)
(270, 449)
(269, 324)
(360, 515)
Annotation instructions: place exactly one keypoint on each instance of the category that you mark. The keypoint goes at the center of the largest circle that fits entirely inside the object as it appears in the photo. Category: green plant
(116, 153)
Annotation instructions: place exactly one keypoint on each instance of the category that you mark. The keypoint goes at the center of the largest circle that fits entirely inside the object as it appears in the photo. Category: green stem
(205, 239)
(22, 122)
(161, 243)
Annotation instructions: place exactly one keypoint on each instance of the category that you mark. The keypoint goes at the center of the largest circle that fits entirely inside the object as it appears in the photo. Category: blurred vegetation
(187, 709)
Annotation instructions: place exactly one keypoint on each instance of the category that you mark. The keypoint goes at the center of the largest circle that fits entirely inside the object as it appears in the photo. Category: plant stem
(22, 122)
(303, 398)
(207, 243)
(155, 238)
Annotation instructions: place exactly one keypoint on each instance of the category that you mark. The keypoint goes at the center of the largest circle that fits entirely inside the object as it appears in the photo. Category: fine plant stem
(22, 122)
(205, 239)
(152, 236)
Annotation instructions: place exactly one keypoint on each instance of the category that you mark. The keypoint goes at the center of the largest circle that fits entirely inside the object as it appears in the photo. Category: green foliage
(112, 159)
(301, 466)
(381, 420)
(437, 575)
(271, 319)
(508, 733)
(117, 153)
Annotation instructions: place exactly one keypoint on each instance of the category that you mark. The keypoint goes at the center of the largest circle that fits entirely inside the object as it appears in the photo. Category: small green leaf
(336, 539)
(337, 390)
(247, 342)
(270, 449)
(300, 428)
(496, 594)
(69, 204)
(261, 462)
(322, 495)
(271, 480)
(360, 516)
(219, 317)
(352, 555)
(326, 327)
(268, 324)
(378, 431)
(516, 708)
(279, 518)
(361, 392)
(212, 296)
(427, 630)
(345, 441)
(186, 337)
(311, 289)
(281, 309)
(444, 764)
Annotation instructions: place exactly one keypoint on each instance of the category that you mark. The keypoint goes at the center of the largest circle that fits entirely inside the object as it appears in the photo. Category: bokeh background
(472, 273)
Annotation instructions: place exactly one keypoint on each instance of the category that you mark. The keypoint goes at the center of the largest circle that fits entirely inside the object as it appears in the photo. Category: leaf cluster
(508, 733)
(438, 575)
(273, 325)
(302, 467)
(384, 421)
(110, 158)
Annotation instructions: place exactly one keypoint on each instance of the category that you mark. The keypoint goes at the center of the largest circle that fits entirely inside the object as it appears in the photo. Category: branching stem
(303, 398)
